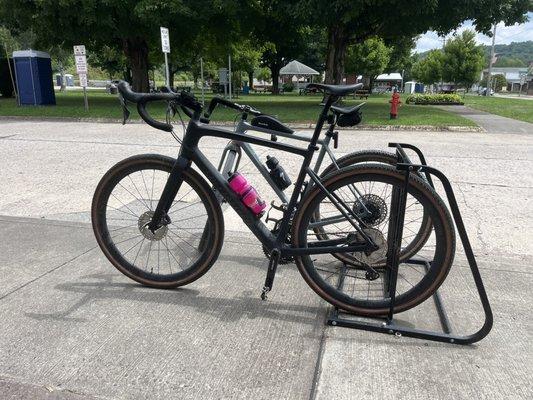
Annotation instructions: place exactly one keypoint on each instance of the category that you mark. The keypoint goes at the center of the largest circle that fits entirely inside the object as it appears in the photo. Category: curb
(295, 125)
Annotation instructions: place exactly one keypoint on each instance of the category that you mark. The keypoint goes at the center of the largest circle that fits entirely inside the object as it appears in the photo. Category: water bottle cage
(277, 173)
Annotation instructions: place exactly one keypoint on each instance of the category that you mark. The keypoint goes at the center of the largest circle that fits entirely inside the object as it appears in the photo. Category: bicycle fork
(172, 187)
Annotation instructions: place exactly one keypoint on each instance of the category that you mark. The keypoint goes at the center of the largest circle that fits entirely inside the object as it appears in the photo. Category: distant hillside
(522, 51)
(516, 54)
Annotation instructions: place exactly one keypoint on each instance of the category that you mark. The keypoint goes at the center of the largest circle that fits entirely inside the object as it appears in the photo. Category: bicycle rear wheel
(370, 200)
(349, 287)
(175, 254)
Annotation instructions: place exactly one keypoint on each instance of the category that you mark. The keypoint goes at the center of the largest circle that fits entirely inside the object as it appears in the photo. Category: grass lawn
(511, 108)
(287, 107)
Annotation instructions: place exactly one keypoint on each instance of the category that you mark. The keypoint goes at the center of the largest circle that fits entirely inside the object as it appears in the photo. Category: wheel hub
(373, 209)
(144, 221)
(377, 255)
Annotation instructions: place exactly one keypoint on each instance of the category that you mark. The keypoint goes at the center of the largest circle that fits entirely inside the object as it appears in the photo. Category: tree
(429, 69)
(369, 58)
(499, 82)
(349, 22)
(129, 25)
(278, 27)
(509, 62)
(463, 60)
(61, 60)
(110, 59)
(400, 58)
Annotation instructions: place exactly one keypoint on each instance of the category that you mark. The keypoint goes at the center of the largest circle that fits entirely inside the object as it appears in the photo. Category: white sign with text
(165, 40)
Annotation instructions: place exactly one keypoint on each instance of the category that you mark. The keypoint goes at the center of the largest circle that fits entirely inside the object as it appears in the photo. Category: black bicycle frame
(190, 153)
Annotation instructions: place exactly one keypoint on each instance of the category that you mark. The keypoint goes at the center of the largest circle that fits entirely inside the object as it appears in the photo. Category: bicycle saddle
(336, 90)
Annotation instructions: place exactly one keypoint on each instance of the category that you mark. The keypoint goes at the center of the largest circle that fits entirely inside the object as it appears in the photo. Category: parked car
(483, 92)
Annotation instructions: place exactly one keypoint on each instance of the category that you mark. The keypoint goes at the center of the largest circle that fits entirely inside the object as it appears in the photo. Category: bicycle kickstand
(272, 266)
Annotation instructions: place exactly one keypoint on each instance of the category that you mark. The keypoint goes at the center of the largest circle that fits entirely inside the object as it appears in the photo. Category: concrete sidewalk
(490, 122)
(75, 328)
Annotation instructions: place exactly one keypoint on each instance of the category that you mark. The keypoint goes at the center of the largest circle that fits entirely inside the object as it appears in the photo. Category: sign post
(165, 46)
(229, 75)
(202, 79)
(81, 70)
(223, 79)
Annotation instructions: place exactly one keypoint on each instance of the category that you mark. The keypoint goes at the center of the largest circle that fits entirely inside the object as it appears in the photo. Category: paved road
(490, 122)
(75, 328)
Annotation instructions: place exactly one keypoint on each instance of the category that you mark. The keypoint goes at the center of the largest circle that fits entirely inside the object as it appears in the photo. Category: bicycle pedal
(264, 292)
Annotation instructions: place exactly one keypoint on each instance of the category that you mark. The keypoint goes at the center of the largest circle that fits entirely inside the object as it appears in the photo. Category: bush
(434, 99)
(288, 87)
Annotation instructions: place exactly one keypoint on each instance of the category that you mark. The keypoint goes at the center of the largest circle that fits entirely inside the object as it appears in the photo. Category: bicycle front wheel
(177, 253)
(346, 285)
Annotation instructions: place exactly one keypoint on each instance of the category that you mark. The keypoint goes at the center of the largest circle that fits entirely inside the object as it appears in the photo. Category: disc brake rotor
(376, 256)
(144, 220)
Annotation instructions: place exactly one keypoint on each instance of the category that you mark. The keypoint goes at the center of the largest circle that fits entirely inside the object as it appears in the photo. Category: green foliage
(369, 58)
(429, 69)
(463, 60)
(288, 87)
(509, 62)
(515, 54)
(263, 74)
(498, 82)
(433, 99)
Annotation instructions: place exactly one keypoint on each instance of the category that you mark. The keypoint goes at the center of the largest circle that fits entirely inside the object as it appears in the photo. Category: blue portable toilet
(33, 73)
(419, 87)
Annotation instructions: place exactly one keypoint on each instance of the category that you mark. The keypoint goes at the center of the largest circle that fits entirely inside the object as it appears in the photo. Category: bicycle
(178, 214)
(342, 116)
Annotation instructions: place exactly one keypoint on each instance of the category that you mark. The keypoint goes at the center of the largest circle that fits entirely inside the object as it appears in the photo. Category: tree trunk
(136, 51)
(251, 79)
(336, 54)
(63, 80)
(171, 74)
(275, 79)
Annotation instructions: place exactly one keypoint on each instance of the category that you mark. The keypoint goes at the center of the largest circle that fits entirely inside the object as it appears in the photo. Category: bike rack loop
(388, 325)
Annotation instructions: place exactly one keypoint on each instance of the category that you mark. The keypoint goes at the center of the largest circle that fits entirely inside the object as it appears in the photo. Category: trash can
(33, 74)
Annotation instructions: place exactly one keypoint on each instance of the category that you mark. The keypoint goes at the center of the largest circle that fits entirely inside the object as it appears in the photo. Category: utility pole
(202, 79)
(487, 91)
(229, 75)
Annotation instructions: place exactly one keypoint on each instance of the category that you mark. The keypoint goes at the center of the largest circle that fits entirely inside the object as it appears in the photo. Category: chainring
(283, 260)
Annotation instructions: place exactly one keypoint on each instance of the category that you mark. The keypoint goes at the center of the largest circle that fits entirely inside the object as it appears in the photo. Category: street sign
(81, 70)
(223, 76)
(83, 80)
(165, 40)
(81, 64)
(79, 50)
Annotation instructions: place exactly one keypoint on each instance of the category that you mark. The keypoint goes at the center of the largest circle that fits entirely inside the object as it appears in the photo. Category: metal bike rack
(398, 203)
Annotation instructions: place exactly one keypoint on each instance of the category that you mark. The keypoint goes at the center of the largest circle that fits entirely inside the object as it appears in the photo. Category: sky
(504, 35)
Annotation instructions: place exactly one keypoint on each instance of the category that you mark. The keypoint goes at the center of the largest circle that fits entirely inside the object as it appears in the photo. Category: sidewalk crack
(45, 273)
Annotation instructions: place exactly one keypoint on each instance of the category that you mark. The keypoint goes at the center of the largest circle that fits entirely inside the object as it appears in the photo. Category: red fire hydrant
(394, 104)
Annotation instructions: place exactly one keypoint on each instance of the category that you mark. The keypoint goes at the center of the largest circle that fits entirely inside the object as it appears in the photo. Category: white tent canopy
(297, 68)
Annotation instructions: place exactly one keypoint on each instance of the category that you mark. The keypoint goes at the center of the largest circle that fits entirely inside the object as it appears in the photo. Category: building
(516, 77)
(385, 82)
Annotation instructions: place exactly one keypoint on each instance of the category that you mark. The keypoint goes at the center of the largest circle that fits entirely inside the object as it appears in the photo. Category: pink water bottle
(247, 193)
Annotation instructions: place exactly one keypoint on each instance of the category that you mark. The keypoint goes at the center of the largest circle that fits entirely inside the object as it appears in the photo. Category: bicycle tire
(214, 225)
(382, 157)
(428, 284)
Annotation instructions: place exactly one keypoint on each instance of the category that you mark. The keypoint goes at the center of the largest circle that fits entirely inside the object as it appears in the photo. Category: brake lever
(125, 112)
